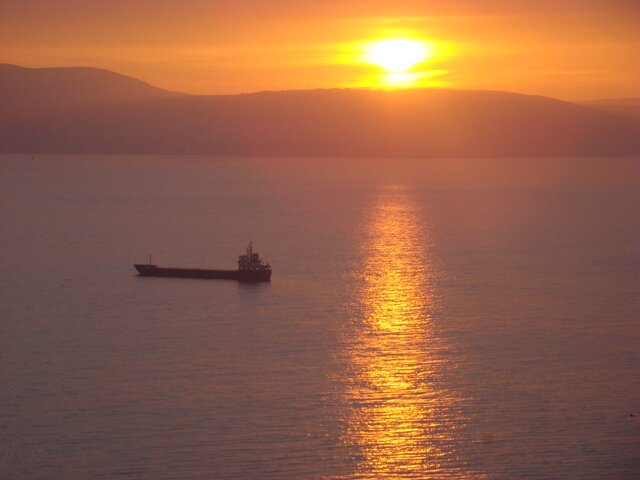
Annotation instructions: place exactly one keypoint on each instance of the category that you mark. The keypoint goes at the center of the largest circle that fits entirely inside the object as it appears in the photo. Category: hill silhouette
(622, 106)
(32, 92)
(94, 111)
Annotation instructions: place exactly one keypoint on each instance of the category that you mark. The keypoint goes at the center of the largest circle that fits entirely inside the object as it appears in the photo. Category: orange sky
(572, 49)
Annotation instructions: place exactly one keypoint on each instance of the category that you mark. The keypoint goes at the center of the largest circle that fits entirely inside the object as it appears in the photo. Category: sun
(397, 55)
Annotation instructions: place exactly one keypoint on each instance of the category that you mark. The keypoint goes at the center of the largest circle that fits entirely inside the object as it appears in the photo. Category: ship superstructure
(251, 261)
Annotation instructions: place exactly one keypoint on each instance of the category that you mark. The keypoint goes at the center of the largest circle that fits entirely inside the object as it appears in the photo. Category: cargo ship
(251, 269)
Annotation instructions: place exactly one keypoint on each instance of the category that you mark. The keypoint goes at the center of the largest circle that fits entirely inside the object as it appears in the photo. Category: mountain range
(87, 110)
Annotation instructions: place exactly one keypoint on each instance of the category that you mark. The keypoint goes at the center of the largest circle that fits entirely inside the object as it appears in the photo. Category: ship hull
(250, 276)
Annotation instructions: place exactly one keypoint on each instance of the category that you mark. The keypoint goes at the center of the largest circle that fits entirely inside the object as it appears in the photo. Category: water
(426, 319)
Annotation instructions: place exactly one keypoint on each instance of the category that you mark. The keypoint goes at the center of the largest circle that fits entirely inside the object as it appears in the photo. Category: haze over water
(426, 318)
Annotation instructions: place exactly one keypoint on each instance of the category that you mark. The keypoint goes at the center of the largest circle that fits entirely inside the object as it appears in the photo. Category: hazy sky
(567, 48)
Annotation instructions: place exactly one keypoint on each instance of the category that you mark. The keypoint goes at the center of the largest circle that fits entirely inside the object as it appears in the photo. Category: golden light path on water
(398, 425)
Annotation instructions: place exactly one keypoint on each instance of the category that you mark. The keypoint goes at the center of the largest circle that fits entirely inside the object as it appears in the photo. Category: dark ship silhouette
(251, 269)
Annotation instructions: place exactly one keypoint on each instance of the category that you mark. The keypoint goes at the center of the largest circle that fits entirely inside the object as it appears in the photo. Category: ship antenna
(150, 253)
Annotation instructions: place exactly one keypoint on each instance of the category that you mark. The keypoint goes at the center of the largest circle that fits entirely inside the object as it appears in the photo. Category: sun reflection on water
(398, 424)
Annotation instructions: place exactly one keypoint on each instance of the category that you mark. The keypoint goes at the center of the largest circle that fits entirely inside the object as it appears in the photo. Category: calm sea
(427, 319)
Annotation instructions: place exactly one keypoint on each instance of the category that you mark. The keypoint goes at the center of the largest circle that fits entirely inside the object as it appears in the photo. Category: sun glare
(398, 55)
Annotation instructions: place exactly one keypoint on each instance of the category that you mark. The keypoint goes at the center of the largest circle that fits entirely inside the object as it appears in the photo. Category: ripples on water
(440, 319)
(399, 423)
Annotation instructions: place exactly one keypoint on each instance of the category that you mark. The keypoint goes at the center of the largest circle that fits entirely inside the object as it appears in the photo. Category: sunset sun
(397, 55)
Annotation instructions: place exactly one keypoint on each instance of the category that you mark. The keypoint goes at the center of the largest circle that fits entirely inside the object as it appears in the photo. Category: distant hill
(29, 92)
(624, 106)
(94, 111)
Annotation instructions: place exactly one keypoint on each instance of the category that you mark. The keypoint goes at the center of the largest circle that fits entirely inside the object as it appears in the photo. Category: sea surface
(463, 319)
